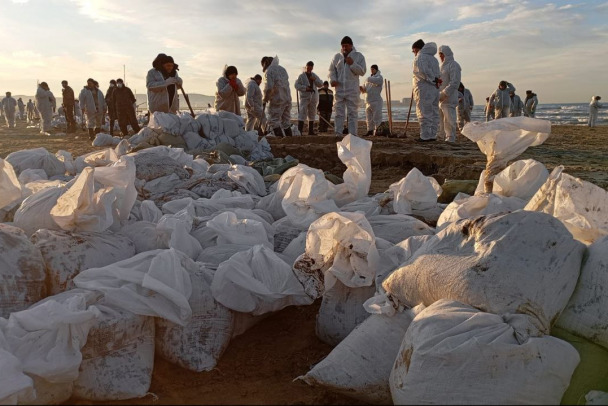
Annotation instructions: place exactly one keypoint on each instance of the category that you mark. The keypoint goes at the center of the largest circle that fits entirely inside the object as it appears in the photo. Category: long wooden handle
(187, 102)
(390, 109)
(408, 113)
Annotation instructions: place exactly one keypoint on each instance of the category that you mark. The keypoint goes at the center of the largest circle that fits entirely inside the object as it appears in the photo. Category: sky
(558, 49)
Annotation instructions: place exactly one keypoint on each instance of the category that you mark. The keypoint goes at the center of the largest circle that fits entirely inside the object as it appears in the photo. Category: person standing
(88, 106)
(31, 111)
(502, 100)
(229, 89)
(102, 107)
(593, 110)
(306, 85)
(253, 105)
(45, 104)
(21, 107)
(68, 105)
(517, 105)
(530, 104)
(277, 95)
(488, 110)
(372, 88)
(123, 102)
(111, 108)
(465, 106)
(448, 93)
(162, 82)
(345, 70)
(325, 106)
(426, 82)
(8, 107)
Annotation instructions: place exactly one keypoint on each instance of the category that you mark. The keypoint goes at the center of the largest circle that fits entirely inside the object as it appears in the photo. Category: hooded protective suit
(346, 94)
(277, 95)
(488, 110)
(426, 93)
(158, 94)
(502, 101)
(45, 101)
(87, 104)
(101, 108)
(21, 107)
(227, 98)
(308, 98)
(593, 109)
(464, 108)
(373, 100)
(8, 107)
(517, 106)
(448, 94)
(530, 105)
(253, 106)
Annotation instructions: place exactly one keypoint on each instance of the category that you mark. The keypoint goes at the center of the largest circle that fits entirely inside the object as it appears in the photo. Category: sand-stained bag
(10, 188)
(66, 254)
(37, 158)
(398, 227)
(453, 353)
(521, 262)
(21, 271)
(521, 179)
(464, 207)
(361, 364)
(35, 211)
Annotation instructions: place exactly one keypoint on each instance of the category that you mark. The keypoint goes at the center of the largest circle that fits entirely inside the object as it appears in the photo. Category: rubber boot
(288, 132)
(278, 132)
(311, 128)
(301, 127)
(91, 134)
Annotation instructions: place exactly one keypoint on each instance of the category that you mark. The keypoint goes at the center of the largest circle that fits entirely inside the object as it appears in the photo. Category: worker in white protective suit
(306, 85)
(254, 105)
(31, 111)
(593, 110)
(45, 104)
(530, 104)
(345, 70)
(88, 106)
(502, 100)
(8, 108)
(465, 106)
(162, 83)
(448, 93)
(21, 107)
(372, 88)
(488, 110)
(229, 89)
(426, 82)
(277, 95)
(101, 105)
(517, 106)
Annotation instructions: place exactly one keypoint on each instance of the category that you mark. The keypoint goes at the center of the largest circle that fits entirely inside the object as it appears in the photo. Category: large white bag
(169, 123)
(231, 229)
(22, 278)
(586, 314)
(455, 354)
(361, 364)
(379, 204)
(173, 231)
(35, 211)
(398, 227)
(521, 262)
(354, 152)
(415, 192)
(580, 205)
(10, 188)
(248, 178)
(257, 281)
(15, 386)
(464, 207)
(37, 158)
(521, 179)
(66, 254)
(95, 159)
(142, 234)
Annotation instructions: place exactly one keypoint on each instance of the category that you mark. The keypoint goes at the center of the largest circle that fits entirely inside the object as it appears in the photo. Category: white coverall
(253, 106)
(8, 107)
(517, 106)
(21, 107)
(308, 99)
(426, 93)
(593, 108)
(530, 106)
(502, 101)
(226, 98)
(101, 108)
(346, 95)
(465, 106)
(45, 100)
(158, 95)
(87, 104)
(277, 95)
(373, 100)
(448, 94)
(489, 110)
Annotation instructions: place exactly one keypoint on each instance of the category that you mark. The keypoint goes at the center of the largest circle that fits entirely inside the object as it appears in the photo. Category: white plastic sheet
(354, 152)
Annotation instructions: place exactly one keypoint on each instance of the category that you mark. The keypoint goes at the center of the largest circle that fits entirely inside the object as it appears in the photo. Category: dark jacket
(123, 98)
(108, 97)
(326, 100)
(68, 96)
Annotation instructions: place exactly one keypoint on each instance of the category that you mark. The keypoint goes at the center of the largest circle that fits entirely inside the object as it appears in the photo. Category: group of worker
(505, 103)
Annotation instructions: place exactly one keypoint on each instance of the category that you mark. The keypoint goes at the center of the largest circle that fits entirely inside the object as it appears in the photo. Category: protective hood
(447, 52)
(430, 48)
(593, 98)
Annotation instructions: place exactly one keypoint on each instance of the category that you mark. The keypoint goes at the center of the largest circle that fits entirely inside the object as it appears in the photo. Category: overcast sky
(558, 49)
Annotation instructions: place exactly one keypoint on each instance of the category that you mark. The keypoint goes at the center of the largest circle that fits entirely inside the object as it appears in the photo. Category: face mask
(112, 85)
(119, 84)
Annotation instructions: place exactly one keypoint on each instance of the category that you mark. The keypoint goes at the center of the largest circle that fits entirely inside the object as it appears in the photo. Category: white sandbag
(161, 185)
(173, 231)
(188, 124)
(66, 254)
(122, 146)
(341, 311)
(586, 314)
(296, 247)
(233, 199)
(199, 165)
(35, 211)
(118, 358)
(169, 123)
(150, 212)
(228, 115)
(152, 283)
(15, 386)
(96, 158)
(37, 158)
(257, 281)
(198, 345)
(103, 140)
(521, 262)
(36, 186)
(415, 192)
(504, 140)
(285, 232)
(68, 161)
(232, 230)
(150, 166)
(231, 128)
(521, 179)
(361, 364)
(247, 140)
(596, 397)
(248, 178)
(354, 152)
(194, 140)
(465, 207)
(31, 175)
(21, 271)
(219, 253)
(142, 234)
(119, 178)
(379, 204)
(455, 354)
(10, 187)
(212, 125)
(178, 154)
(398, 227)
(580, 205)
